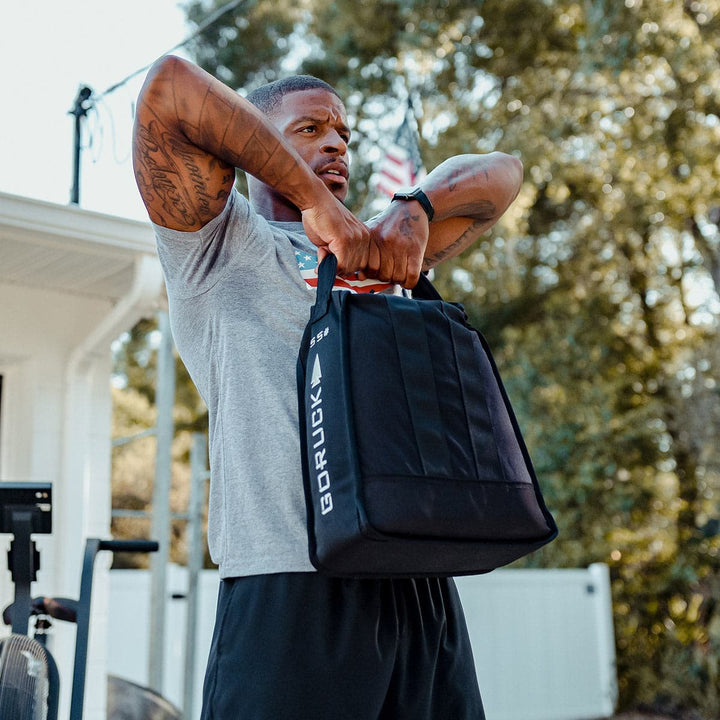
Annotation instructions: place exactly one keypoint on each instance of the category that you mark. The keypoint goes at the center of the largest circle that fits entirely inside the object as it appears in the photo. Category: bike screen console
(29, 501)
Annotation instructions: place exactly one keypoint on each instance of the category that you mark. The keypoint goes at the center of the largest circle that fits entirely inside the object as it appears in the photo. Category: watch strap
(421, 197)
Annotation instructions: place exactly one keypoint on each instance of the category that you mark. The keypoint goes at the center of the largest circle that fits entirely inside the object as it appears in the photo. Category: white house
(71, 281)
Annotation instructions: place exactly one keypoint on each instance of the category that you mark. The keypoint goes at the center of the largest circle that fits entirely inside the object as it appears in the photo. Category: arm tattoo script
(158, 177)
(173, 180)
(195, 181)
(468, 237)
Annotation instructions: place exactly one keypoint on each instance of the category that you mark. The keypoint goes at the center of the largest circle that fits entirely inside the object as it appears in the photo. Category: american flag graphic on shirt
(307, 263)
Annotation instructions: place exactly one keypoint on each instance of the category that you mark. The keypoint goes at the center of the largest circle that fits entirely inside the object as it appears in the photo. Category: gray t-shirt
(238, 307)
(240, 292)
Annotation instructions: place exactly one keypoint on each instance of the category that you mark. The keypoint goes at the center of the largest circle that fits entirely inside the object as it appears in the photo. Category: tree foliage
(599, 289)
(135, 446)
(133, 466)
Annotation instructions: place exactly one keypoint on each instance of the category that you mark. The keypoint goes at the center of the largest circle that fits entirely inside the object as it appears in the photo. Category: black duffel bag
(413, 461)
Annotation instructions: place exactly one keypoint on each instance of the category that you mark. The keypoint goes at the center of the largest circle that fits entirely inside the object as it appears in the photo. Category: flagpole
(402, 165)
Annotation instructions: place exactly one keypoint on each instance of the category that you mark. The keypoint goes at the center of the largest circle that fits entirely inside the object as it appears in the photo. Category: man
(289, 642)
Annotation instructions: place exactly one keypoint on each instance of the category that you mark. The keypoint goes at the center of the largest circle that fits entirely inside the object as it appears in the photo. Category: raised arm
(191, 131)
(469, 193)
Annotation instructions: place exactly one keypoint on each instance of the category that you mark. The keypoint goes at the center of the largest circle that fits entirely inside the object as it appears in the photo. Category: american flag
(402, 166)
(307, 264)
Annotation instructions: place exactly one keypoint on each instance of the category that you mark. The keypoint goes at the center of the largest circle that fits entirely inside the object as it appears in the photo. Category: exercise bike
(29, 678)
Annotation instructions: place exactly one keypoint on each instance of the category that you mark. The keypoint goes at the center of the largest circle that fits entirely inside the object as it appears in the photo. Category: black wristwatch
(421, 197)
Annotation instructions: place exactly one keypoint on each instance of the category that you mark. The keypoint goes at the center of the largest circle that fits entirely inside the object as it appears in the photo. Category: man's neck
(273, 206)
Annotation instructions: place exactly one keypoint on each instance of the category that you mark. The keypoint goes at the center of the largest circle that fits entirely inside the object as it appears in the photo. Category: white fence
(543, 642)
(543, 639)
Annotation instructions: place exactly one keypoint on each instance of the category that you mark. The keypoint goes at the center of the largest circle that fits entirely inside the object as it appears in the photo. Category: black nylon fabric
(413, 461)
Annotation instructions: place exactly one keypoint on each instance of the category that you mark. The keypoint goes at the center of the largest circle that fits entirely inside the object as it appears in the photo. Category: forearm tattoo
(479, 209)
(408, 222)
(468, 237)
(453, 179)
(158, 177)
(185, 170)
(195, 182)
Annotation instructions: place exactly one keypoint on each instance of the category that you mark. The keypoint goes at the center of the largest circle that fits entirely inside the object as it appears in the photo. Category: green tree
(599, 289)
(133, 454)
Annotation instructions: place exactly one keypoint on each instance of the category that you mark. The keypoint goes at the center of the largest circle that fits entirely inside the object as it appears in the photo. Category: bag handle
(327, 270)
(425, 290)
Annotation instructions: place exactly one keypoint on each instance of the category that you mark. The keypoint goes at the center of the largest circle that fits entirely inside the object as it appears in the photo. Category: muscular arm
(469, 194)
(191, 131)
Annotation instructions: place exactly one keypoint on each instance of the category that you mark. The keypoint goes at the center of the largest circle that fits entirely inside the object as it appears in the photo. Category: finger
(414, 268)
(373, 261)
(387, 264)
(400, 267)
(357, 248)
(345, 259)
(322, 253)
(365, 247)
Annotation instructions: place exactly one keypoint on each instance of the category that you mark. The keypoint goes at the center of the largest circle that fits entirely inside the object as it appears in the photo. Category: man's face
(315, 124)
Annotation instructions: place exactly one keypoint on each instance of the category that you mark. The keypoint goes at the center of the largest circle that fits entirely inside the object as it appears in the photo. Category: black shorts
(302, 646)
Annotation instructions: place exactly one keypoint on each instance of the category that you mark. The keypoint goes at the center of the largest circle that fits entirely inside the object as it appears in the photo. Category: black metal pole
(79, 110)
(23, 567)
(92, 547)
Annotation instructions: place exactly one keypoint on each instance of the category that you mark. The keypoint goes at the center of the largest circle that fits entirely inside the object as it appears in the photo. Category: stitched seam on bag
(495, 431)
(491, 420)
(469, 481)
(400, 364)
(497, 450)
(462, 394)
(345, 358)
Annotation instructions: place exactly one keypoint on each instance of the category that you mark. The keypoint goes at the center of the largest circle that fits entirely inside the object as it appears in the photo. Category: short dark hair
(267, 97)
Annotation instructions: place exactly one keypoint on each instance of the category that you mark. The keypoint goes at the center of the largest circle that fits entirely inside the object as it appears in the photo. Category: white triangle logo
(316, 372)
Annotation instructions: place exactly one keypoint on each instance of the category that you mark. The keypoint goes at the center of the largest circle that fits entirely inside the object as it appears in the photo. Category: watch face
(421, 197)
